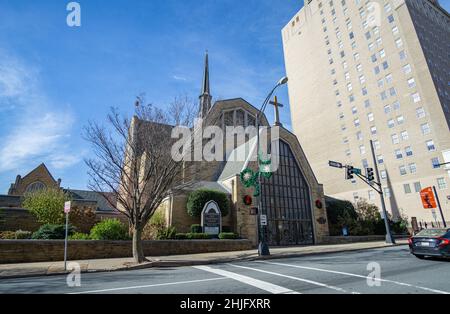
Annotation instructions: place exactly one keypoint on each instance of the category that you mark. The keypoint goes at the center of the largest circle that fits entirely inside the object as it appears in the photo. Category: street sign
(263, 220)
(428, 199)
(433, 212)
(67, 206)
(357, 171)
(336, 164)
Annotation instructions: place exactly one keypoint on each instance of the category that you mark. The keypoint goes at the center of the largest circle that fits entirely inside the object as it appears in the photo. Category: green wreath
(248, 178)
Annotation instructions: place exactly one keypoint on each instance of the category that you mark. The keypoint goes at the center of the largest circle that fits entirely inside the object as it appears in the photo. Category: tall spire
(205, 97)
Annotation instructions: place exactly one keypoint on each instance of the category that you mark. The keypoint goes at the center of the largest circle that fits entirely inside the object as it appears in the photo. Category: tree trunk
(138, 250)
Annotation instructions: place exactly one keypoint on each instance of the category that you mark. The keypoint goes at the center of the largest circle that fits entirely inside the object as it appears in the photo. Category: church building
(291, 198)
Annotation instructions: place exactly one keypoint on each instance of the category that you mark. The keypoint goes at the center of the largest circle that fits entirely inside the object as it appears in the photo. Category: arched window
(36, 186)
(287, 202)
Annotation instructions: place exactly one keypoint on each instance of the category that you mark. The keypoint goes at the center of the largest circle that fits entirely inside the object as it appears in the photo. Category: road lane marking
(358, 276)
(263, 285)
(149, 286)
(293, 278)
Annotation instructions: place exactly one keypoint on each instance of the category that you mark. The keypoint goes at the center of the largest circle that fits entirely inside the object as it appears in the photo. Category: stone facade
(39, 178)
(302, 214)
(240, 219)
(176, 215)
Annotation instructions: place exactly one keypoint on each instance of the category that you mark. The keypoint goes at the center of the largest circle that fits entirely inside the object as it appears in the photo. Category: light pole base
(390, 239)
(263, 249)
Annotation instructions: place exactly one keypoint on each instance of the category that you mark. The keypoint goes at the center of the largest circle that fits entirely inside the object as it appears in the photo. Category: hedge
(228, 236)
(110, 230)
(198, 199)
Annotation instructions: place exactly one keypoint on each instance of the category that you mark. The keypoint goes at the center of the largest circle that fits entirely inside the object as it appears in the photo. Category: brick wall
(13, 219)
(181, 220)
(353, 239)
(27, 251)
(9, 201)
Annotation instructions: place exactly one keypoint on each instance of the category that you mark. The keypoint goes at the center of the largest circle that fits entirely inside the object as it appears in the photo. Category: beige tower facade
(373, 70)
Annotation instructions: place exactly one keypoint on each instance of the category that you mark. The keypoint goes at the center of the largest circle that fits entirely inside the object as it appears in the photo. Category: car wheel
(420, 256)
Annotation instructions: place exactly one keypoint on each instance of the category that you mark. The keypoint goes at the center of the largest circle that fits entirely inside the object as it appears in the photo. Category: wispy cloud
(179, 78)
(35, 131)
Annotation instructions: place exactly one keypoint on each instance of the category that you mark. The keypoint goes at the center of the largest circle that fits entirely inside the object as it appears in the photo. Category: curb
(172, 264)
(168, 264)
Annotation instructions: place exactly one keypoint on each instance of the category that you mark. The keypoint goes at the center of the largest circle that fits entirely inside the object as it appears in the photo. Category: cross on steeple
(205, 97)
(277, 105)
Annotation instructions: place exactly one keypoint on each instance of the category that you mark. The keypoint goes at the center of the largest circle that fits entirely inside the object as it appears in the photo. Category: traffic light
(370, 175)
(350, 172)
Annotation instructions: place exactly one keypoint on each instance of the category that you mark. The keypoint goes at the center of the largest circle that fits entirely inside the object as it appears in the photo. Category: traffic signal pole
(389, 237)
(351, 171)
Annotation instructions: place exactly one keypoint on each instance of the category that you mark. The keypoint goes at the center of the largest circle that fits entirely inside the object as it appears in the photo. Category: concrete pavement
(375, 271)
(107, 265)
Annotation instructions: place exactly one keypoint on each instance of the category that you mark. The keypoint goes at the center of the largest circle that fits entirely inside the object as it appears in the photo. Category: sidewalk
(108, 265)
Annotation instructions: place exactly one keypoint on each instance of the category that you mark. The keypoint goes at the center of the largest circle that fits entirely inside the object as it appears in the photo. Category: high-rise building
(373, 70)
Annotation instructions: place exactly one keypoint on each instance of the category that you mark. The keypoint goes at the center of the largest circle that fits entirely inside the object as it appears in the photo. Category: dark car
(430, 242)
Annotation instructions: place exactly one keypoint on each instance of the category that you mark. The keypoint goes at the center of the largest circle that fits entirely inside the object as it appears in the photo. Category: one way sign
(336, 164)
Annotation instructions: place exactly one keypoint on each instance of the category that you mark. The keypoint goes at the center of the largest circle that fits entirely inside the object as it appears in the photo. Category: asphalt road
(340, 273)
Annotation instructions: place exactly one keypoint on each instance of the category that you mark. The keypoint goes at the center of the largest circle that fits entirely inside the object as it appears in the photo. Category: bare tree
(133, 160)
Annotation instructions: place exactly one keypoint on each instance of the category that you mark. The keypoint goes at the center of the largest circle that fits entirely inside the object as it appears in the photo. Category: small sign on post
(67, 207)
(263, 220)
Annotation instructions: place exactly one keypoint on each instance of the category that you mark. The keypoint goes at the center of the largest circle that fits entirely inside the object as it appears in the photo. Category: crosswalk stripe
(293, 278)
(148, 286)
(263, 285)
(358, 276)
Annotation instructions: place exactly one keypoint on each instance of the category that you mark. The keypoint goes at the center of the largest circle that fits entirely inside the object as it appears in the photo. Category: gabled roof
(102, 203)
(239, 159)
(210, 185)
(42, 167)
(235, 103)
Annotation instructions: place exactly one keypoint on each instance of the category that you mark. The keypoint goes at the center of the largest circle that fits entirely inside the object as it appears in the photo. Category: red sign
(248, 200)
(67, 206)
(319, 204)
(428, 199)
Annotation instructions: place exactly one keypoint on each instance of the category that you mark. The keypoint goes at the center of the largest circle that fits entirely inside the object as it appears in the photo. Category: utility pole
(389, 237)
(440, 207)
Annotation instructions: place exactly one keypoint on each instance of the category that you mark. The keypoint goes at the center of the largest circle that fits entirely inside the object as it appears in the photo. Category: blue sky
(54, 78)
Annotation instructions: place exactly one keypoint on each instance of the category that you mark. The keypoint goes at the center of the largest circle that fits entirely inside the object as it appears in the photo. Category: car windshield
(432, 233)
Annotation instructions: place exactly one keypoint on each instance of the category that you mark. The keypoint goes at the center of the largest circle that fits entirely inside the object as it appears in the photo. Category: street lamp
(263, 248)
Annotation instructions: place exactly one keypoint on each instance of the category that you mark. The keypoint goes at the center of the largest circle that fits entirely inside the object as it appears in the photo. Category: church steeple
(205, 97)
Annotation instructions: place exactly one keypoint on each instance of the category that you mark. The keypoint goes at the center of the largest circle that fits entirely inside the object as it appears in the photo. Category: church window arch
(35, 186)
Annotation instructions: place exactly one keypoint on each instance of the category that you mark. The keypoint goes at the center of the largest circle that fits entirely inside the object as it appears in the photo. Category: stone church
(292, 197)
(14, 217)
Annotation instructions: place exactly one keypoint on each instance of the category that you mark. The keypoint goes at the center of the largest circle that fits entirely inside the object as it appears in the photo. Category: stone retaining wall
(356, 239)
(13, 219)
(27, 251)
